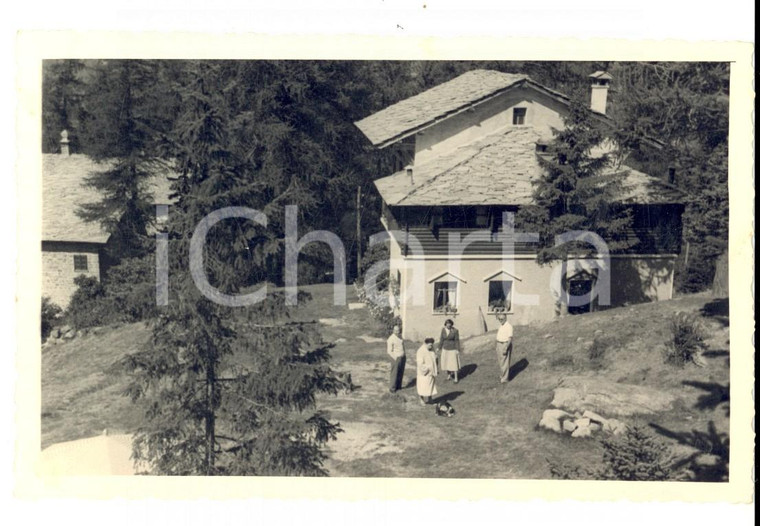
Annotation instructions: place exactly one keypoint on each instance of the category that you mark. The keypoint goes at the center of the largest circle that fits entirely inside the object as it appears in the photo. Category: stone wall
(58, 268)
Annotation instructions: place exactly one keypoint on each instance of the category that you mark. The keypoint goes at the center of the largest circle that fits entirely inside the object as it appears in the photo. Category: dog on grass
(444, 409)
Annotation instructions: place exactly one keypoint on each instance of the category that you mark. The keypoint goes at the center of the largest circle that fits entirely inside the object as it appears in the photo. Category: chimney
(410, 172)
(65, 143)
(600, 84)
(672, 175)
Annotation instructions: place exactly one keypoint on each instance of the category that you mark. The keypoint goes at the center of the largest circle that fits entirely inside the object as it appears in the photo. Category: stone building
(467, 153)
(71, 246)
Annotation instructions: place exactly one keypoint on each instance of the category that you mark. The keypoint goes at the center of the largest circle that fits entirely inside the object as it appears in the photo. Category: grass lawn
(494, 433)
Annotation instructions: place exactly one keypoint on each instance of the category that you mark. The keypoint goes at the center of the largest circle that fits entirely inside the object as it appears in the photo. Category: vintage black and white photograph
(401, 269)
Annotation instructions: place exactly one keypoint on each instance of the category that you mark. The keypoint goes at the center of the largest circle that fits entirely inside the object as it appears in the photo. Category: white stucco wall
(633, 280)
(542, 114)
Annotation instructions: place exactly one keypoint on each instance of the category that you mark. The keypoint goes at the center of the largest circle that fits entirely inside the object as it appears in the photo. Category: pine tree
(124, 129)
(62, 92)
(227, 391)
(578, 191)
(685, 105)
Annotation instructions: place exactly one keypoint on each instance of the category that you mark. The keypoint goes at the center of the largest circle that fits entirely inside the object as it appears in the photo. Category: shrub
(636, 455)
(687, 339)
(131, 285)
(89, 305)
(379, 308)
(377, 254)
(50, 313)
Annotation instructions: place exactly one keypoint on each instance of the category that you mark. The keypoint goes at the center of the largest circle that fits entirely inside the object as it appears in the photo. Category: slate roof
(436, 103)
(63, 192)
(498, 169)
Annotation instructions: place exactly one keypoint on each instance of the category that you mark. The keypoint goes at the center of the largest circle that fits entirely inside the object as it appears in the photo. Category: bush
(90, 306)
(126, 294)
(687, 340)
(377, 254)
(132, 286)
(636, 455)
(50, 313)
(378, 308)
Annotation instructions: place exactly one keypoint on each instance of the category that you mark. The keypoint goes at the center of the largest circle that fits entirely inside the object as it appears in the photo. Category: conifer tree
(62, 92)
(124, 126)
(227, 391)
(578, 191)
(685, 105)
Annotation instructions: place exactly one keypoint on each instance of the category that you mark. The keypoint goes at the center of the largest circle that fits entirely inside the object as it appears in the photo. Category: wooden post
(358, 231)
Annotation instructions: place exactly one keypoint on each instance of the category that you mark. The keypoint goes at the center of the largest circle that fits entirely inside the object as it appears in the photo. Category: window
(518, 116)
(80, 263)
(445, 297)
(499, 296)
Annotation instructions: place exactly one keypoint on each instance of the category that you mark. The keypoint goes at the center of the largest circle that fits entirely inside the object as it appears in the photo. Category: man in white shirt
(398, 356)
(504, 346)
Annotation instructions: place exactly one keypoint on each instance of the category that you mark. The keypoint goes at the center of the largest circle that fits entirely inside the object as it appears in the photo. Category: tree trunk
(210, 418)
(358, 231)
(720, 281)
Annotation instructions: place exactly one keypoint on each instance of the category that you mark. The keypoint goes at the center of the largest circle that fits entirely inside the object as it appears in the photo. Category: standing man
(398, 358)
(504, 346)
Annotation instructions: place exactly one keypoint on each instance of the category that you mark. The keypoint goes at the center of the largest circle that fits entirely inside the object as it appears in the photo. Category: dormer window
(518, 116)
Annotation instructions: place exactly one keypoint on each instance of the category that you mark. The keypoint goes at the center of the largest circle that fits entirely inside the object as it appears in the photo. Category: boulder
(707, 461)
(354, 306)
(594, 417)
(552, 419)
(340, 340)
(568, 426)
(81, 332)
(581, 432)
(591, 393)
(69, 335)
(65, 329)
(547, 336)
(594, 427)
(55, 333)
(583, 422)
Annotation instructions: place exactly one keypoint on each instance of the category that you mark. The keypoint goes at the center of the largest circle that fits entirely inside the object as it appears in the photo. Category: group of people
(447, 359)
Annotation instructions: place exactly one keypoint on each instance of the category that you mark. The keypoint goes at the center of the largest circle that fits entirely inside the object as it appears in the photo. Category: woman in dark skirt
(448, 345)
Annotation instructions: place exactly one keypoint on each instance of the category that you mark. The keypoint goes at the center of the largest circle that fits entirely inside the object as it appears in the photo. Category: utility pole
(358, 231)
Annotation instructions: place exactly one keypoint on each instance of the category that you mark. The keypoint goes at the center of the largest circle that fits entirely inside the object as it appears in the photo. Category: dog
(444, 409)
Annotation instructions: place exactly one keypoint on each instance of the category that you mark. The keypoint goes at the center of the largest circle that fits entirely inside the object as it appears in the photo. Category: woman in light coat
(427, 370)
(449, 347)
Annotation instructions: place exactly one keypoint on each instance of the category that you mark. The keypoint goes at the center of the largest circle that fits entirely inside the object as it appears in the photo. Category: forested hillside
(290, 133)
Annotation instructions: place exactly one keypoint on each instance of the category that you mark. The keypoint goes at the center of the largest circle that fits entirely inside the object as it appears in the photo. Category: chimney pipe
(65, 143)
(410, 172)
(600, 85)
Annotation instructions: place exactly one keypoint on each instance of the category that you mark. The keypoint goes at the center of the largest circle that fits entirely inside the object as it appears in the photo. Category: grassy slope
(493, 433)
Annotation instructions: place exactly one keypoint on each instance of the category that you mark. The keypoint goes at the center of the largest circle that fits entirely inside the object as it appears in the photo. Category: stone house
(71, 246)
(467, 153)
